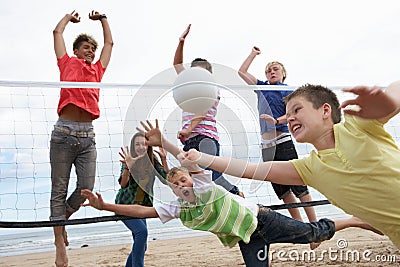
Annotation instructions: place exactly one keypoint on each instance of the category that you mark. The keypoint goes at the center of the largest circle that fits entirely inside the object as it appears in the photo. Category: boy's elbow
(57, 32)
(109, 43)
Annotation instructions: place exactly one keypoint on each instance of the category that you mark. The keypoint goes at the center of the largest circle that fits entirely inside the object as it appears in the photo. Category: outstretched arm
(59, 43)
(108, 41)
(282, 172)
(247, 77)
(137, 211)
(178, 58)
(374, 103)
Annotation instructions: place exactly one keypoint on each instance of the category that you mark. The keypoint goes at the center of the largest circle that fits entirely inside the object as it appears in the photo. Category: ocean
(17, 242)
(34, 240)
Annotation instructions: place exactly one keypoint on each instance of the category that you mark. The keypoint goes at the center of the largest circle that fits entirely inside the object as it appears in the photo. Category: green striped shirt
(217, 212)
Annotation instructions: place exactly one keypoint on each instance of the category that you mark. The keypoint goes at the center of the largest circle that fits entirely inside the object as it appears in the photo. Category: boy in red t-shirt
(72, 140)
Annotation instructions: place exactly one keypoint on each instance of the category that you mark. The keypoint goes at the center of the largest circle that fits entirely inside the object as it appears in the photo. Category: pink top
(207, 127)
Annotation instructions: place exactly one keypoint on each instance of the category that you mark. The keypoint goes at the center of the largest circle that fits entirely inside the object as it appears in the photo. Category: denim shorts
(274, 227)
(284, 152)
(67, 150)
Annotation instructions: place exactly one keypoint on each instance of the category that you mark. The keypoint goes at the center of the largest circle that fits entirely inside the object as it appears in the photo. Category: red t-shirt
(73, 69)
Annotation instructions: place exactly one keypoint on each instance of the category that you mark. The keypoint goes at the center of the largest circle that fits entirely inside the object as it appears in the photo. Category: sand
(208, 251)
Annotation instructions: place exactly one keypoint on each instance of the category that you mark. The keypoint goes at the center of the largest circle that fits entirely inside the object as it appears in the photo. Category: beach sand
(208, 251)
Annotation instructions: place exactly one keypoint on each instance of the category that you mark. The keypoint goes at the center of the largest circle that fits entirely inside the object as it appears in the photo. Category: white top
(201, 183)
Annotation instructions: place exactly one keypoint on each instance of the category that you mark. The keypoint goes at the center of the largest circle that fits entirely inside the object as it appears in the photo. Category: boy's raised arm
(243, 70)
(178, 58)
(59, 43)
(105, 55)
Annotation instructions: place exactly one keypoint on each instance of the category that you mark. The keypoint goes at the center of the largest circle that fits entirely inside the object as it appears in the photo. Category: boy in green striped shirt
(203, 205)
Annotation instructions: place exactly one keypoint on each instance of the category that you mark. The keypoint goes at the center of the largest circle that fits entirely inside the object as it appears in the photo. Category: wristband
(102, 16)
(276, 122)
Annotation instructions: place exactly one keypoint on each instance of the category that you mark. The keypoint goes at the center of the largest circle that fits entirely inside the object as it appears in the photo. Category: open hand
(185, 33)
(152, 135)
(374, 103)
(95, 200)
(161, 152)
(127, 158)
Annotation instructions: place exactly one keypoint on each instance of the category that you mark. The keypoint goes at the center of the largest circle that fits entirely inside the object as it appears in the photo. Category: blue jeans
(138, 228)
(65, 150)
(274, 227)
(210, 146)
(284, 152)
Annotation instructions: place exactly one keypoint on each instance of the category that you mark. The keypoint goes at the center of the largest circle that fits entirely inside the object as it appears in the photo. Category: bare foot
(65, 236)
(314, 245)
(364, 225)
(61, 255)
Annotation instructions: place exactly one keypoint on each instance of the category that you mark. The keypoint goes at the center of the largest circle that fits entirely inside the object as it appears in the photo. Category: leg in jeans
(255, 253)
(66, 150)
(85, 166)
(274, 227)
(138, 228)
(62, 156)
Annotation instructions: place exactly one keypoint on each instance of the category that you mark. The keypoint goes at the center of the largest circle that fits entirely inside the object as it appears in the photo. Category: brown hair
(318, 95)
(201, 62)
(145, 165)
(83, 37)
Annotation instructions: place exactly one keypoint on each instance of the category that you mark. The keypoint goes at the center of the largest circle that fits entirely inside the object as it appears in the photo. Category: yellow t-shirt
(361, 175)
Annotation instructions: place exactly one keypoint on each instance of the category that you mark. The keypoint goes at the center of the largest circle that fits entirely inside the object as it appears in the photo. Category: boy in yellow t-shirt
(357, 163)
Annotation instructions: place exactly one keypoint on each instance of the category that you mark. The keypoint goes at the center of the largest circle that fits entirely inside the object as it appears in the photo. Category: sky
(327, 42)
(333, 43)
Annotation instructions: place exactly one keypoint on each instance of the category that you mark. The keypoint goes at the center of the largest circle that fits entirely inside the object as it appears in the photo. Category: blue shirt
(271, 102)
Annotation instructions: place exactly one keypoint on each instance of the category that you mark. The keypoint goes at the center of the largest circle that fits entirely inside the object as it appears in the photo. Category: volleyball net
(28, 114)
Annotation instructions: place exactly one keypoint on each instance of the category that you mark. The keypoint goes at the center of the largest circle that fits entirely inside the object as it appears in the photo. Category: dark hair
(144, 165)
(201, 62)
(318, 95)
(83, 37)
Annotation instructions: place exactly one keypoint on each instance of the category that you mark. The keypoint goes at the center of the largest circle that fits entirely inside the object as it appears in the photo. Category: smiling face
(304, 121)
(85, 51)
(140, 145)
(181, 184)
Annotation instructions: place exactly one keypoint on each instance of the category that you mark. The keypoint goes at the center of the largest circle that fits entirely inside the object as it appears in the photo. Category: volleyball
(195, 90)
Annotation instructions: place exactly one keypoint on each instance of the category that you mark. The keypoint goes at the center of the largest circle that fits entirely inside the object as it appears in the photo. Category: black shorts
(284, 152)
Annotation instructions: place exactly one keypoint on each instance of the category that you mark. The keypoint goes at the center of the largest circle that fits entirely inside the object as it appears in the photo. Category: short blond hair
(174, 171)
